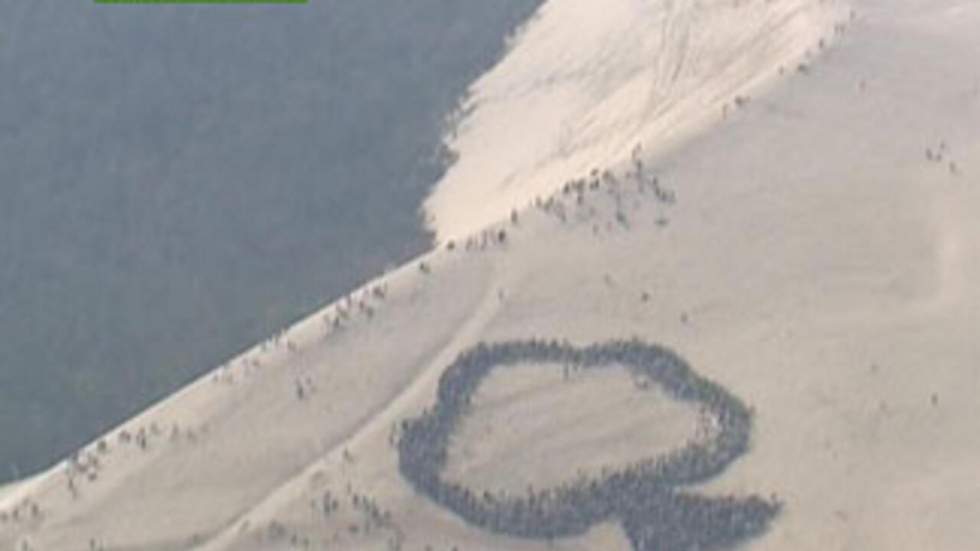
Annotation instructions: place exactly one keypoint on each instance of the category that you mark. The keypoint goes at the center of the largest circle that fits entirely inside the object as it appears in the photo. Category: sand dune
(588, 83)
(812, 253)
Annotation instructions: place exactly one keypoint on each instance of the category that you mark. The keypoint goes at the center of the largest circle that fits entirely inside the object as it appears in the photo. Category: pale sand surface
(586, 82)
(816, 263)
(522, 413)
(8, 489)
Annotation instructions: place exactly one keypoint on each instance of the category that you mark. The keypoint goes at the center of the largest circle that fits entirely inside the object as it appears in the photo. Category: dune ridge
(590, 82)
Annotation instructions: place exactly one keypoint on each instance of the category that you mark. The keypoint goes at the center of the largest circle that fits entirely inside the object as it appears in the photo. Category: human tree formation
(643, 496)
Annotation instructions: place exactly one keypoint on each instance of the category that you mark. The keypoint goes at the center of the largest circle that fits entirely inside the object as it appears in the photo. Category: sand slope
(817, 262)
(587, 82)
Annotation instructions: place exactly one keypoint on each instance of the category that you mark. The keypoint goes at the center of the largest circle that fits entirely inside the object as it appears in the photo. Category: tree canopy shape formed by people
(643, 496)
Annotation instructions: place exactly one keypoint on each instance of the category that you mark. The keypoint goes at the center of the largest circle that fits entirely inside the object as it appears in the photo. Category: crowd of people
(642, 495)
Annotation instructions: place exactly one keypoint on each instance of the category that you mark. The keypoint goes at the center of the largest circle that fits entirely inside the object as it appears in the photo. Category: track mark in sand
(643, 496)
(377, 421)
(675, 34)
